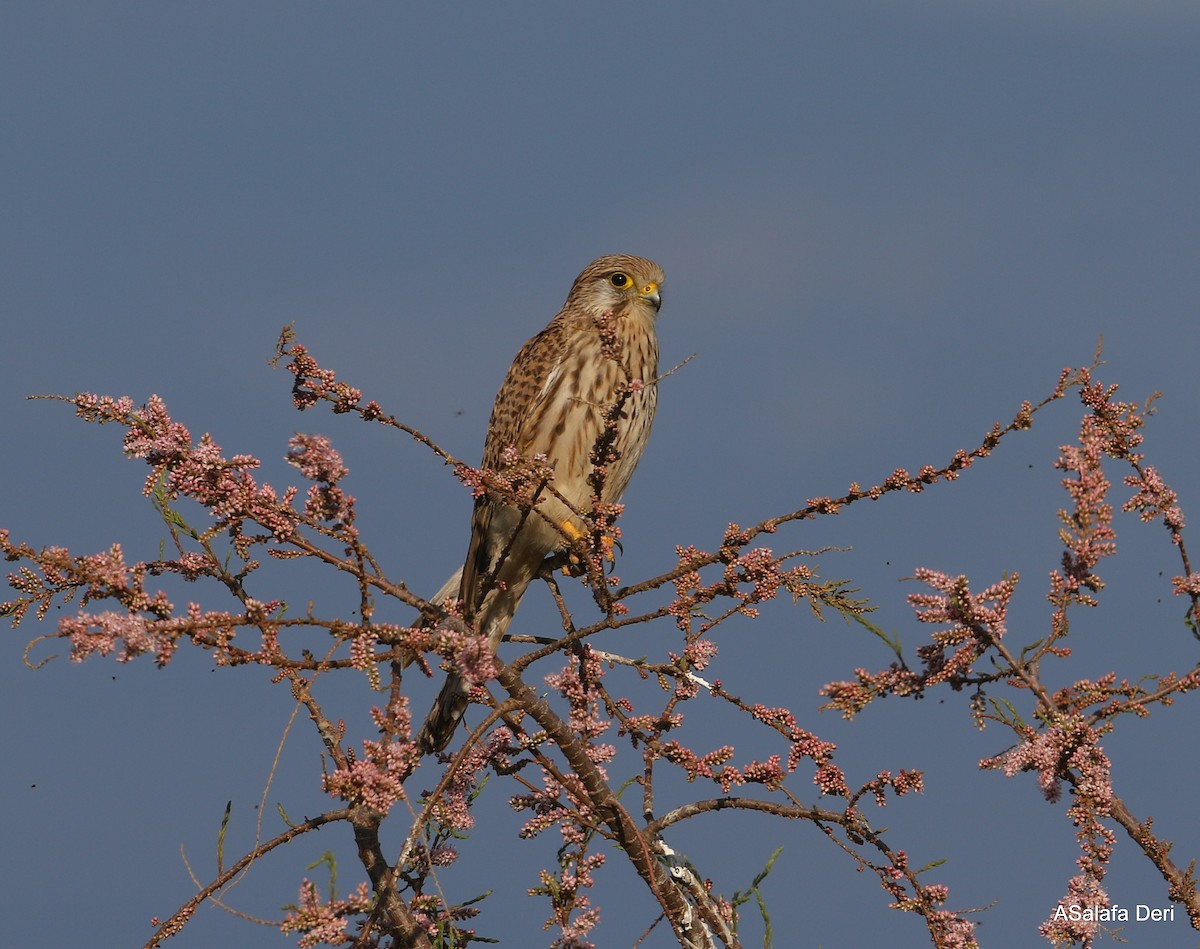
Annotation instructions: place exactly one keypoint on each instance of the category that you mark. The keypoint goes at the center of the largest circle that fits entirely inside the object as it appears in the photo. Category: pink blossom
(576, 684)
(470, 653)
(104, 632)
(976, 620)
(1187, 586)
(1155, 500)
(830, 779)
(453, 808)
(1089, 896)
(700, 652)
(316, 458)
(376, 780)
(324, 923)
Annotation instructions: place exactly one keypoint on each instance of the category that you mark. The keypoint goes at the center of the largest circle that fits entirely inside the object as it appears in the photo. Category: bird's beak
(651, 294)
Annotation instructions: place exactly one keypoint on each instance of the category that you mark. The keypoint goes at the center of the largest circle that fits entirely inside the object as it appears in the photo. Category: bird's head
(618, 281)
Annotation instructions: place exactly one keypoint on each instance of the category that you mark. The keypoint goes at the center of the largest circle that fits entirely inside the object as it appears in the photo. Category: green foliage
(740, 897)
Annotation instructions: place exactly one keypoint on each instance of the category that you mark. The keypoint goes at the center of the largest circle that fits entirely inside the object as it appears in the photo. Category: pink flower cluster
(324, 923)
(183, 469)
(1082, 927)
(571, 910)
(1071, 749)
(949, 931)
(313, 384)
(564, 803)
(377, 779)
(978, 620)
(904, 782)
(576, 683)
(556, 803)
(574, 932)
(470, 654)
(850, 698)
(318, 461)
(769, 773)
(519, 480)
(145, 622)
(453, 808)
(1087, 530)
(759, 569)
(102, 633)
(1154, 501)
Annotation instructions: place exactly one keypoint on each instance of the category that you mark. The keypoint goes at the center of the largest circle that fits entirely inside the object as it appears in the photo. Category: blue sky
(883, 226)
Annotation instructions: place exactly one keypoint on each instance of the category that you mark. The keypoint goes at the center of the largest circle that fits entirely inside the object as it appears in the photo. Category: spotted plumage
(554, 402)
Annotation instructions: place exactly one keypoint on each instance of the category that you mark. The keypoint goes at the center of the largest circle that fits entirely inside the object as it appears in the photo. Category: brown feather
(553, 402)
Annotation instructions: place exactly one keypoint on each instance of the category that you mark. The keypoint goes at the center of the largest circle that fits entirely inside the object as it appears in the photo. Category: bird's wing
(526, 387)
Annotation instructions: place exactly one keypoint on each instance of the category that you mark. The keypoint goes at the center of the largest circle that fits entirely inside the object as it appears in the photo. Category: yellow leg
(575, 533)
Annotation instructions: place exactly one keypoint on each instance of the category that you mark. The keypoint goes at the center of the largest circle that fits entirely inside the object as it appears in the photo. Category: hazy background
(883, 225)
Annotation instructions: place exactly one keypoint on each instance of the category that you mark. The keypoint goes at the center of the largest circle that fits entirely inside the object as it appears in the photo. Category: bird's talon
(577, 566)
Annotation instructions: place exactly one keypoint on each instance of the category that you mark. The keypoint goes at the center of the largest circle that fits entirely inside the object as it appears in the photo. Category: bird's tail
(442, 720)
(449, 590)
(492, 620)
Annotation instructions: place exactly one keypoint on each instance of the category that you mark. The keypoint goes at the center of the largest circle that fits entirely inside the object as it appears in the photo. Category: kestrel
(600, 351)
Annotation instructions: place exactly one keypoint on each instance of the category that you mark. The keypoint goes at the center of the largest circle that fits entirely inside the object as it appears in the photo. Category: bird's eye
(619, 280)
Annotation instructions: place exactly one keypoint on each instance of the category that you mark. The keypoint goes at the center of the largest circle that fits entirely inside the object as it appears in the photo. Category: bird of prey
(598, 354)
